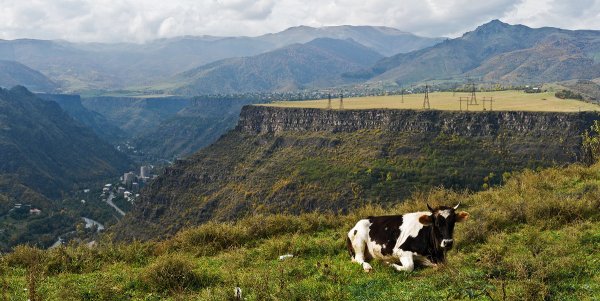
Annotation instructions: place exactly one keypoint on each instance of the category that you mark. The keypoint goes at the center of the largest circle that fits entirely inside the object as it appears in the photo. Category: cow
(400, 240)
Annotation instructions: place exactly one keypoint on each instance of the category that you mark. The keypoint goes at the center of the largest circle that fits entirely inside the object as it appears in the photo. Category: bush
(32, 259)
(568, 94)
(591, 144)
(175, 273)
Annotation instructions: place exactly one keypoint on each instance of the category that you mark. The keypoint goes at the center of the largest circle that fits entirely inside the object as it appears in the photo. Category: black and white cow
(400, 240)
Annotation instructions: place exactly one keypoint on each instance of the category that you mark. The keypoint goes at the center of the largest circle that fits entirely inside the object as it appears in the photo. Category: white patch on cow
(406, 259)
(358, 242)
(445, 213)
(446, 242)
(410, 226)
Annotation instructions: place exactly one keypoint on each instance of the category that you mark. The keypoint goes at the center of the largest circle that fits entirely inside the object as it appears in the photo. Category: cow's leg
(360, 248)
(358, 241)
(406, 259)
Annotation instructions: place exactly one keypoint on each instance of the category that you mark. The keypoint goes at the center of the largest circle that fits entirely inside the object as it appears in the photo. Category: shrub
(568, 94)
(591, 144)
(32, 259)
(175, 273)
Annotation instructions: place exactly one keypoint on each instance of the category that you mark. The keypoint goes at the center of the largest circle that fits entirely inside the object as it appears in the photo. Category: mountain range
(498, 52)
(316, 64)
(82, 67)
(310, 58)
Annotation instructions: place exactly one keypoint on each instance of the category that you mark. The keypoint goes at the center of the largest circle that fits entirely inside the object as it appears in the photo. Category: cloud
(142, 20)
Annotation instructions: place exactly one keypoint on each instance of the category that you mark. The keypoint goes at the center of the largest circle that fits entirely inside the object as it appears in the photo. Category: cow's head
(442, 220)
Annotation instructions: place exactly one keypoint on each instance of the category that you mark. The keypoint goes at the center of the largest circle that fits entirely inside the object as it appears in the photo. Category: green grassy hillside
(304, 160)
(535, 238)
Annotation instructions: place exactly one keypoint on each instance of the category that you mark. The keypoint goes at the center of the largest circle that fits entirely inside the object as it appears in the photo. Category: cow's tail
(349, 246)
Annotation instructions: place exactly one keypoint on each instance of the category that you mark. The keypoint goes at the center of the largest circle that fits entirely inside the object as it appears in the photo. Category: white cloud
(142, 20)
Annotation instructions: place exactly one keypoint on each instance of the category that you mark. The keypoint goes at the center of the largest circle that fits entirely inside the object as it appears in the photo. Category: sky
(144, 20)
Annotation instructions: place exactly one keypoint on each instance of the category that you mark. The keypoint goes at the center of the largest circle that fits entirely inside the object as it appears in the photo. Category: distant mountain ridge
(97, 66)
(315, 64)
(385, 40)
(497, 51)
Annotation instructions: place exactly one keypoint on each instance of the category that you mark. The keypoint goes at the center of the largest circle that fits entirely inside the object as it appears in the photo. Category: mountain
(94, 120)
(13, 74)
(315, 64)
(294, 160)
(385, 40)
(97, 66)
(46, 157)
(44, 149)
(497, 51)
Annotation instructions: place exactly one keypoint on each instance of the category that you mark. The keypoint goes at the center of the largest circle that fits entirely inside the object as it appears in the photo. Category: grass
(503, 101)
(535, 238)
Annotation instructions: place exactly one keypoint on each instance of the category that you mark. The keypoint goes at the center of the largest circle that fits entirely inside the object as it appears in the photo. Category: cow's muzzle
(447, 243)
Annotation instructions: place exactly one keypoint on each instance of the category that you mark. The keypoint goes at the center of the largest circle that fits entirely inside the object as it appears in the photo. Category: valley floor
(535, 238)
(501, 101)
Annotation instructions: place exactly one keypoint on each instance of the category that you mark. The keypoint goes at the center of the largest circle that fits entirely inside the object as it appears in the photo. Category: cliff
(273, 120)
(301, 160)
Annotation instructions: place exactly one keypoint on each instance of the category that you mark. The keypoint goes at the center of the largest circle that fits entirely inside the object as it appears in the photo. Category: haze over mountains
(306, 58)
(316, 64)
(81, 67)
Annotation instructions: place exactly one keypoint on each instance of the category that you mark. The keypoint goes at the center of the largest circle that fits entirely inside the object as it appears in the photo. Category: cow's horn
(429, 207)
(456, 207)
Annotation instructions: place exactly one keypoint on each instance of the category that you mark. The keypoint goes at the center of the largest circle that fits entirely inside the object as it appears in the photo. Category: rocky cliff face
(273, 120)
(299, 160)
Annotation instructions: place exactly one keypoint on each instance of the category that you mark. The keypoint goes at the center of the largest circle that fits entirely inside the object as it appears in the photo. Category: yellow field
(502, 101)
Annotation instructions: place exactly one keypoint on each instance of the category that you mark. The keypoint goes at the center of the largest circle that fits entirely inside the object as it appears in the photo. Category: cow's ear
(426, 219)
(462, 216)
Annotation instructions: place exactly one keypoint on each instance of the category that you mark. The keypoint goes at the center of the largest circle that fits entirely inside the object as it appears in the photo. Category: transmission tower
(426, 99)
(473, 96)
(329, 101)
(341, 101)
(401, 94)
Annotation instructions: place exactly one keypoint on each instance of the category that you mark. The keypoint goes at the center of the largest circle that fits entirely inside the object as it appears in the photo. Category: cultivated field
(502, 101)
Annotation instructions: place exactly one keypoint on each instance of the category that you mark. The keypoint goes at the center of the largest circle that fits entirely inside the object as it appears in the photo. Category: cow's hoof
(367, 267)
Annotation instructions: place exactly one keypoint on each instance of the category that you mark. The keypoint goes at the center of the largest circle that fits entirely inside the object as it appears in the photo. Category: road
(90, 223)
(111, 196)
